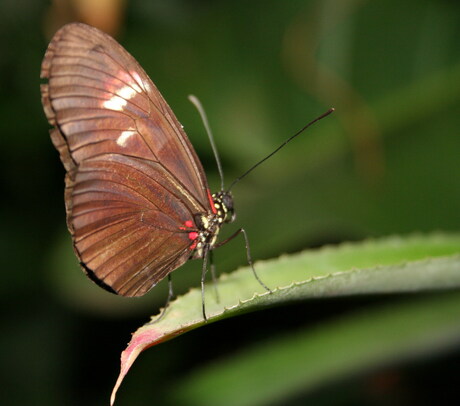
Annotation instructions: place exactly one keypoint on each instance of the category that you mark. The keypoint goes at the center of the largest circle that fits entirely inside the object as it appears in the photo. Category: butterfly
(138, 203)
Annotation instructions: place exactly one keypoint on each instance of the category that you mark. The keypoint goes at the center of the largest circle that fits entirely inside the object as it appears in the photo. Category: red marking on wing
(193, 235)
(211, 202)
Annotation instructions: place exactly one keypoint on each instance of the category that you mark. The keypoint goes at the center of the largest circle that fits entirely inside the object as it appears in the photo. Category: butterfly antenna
(194, 100)
(281, 146)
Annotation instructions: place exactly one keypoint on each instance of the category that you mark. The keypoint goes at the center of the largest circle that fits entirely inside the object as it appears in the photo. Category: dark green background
(387, 162)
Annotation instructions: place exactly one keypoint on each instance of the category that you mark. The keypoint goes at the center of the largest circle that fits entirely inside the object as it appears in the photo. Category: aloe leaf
(285, 367)
(395, 264)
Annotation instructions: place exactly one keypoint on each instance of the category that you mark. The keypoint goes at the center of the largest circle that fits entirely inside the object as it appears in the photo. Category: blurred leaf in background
(386, 163)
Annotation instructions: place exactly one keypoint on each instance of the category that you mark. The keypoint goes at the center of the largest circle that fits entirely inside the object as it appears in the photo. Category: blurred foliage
(385, 163)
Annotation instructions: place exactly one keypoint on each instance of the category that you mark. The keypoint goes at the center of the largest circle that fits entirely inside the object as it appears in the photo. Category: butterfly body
(210, 224)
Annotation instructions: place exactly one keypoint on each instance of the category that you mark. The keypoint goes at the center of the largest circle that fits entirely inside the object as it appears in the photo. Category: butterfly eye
(227, 201)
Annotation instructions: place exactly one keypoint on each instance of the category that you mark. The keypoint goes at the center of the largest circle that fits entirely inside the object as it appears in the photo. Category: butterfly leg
(168, 300)
(213, 274)
(203, 278)
(248, 254)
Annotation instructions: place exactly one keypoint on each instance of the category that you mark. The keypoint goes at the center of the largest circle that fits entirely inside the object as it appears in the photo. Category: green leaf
(388, 265)
(310, 358)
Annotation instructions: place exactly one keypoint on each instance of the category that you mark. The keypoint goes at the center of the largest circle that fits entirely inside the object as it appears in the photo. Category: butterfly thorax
(209, 224)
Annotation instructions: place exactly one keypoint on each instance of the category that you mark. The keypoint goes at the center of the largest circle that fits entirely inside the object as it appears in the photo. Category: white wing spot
(147, 87)
(122, 140)
(139, 80)
(115, 103)
(127, 92)
(120, 100)
(136, 77)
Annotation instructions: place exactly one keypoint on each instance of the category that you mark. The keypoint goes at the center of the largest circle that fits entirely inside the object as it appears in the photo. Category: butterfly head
(223, 203)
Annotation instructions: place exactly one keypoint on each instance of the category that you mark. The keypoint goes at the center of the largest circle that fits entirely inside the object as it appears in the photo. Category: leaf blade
(394, 264)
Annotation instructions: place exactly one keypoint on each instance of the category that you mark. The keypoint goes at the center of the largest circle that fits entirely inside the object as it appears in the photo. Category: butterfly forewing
(133, 179)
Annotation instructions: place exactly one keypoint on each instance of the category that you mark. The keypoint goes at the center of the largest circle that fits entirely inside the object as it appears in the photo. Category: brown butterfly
(137, 198)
